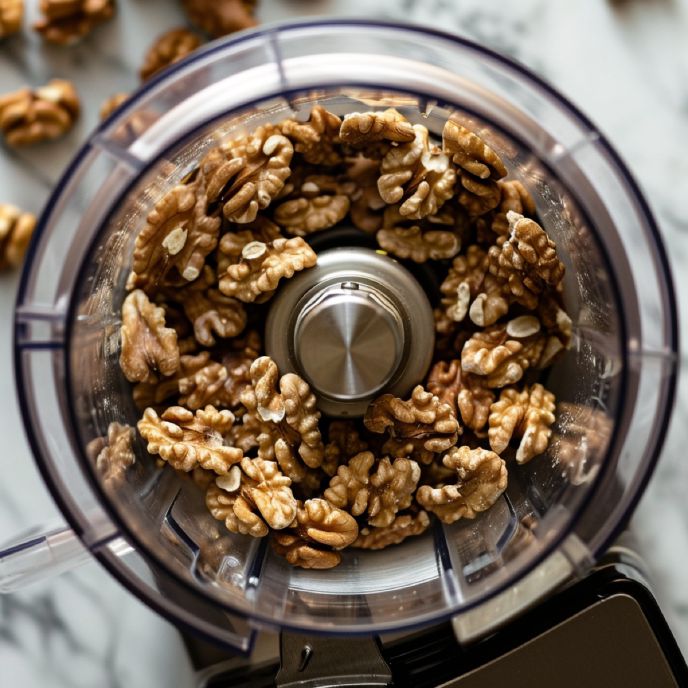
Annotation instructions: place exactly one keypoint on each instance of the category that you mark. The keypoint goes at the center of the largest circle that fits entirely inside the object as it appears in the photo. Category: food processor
(560, 512)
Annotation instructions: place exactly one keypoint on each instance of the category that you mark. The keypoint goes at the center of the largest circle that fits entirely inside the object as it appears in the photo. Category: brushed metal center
(349, 342)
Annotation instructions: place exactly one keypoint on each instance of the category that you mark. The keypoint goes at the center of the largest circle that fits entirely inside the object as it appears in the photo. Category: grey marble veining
(626, 66)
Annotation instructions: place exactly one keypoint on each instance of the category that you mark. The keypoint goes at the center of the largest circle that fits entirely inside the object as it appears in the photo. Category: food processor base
(603, 631)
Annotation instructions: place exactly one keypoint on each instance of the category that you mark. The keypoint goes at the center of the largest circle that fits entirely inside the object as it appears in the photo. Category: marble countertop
(624, 64)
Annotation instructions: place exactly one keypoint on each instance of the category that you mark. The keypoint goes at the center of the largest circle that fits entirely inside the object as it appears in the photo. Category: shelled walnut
(16, 229)
(178, 234)
(528, 414)
(262, 266)
(147, 345)
(30, 116)
(527, 261)
(221, 17)
(423, 417)
(302, 216)
(245, 175)
(11, 15)
(416, 175)
(67, 21)
(319, 530)
(403, 526)
(168, 48)
(376, 489)
(502, 353)
(481, 479)
(316, 140)
(363, 128)
(253, 497)
(113, 454)
(186, 440)
(466, 394)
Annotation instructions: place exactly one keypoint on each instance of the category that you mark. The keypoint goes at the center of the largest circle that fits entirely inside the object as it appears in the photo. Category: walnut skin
(178, 234)
(362, 128)
(186, 441)
(317, 139)
(11, 15)
(16, 230)
(403, 526)
(147, 345)
(528, 414)
(422, 417)
(302, 216)
(262, 267)
(30, 116)
(416, 175)
(527, 261)
(232, 243)
(168, 48)
(377, 489)
(245, 175)
(221, 17)
(482, 477)
(67, 21)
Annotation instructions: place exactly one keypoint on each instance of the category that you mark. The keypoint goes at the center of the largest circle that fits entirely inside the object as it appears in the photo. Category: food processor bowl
(614, 386)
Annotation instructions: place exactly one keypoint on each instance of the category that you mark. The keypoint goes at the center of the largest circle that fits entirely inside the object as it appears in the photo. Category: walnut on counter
(67, 21)
(30, 116)
(11, 15)
(16, 230)
(186, 440)
(528, 414)
(170, 47)
(221, 17)
(481, 479)
(148, 347)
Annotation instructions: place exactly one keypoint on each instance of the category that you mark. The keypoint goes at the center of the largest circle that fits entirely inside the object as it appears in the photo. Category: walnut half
(481, 479)
(16, 229)
(29, 116)
(11, 15)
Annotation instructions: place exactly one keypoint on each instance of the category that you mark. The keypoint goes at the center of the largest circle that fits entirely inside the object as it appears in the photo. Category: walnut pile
(29, 115)
(222, 241)
(168, 48)
(16, 229)
(11, 15)
(66, 21)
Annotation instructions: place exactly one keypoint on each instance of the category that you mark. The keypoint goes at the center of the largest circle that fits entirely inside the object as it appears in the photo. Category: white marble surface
(626, 67)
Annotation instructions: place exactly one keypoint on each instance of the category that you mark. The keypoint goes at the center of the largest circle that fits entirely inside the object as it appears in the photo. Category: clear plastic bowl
(559, 512)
